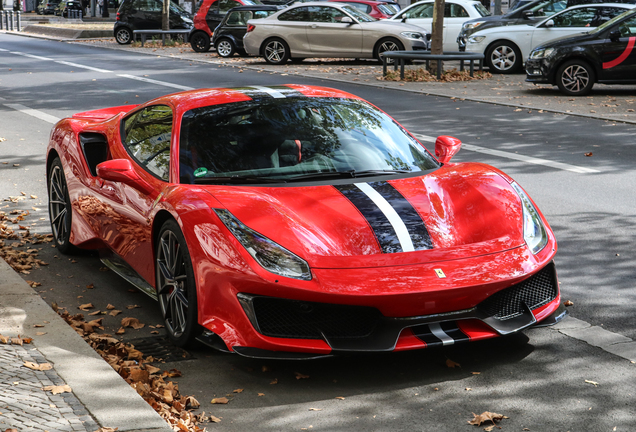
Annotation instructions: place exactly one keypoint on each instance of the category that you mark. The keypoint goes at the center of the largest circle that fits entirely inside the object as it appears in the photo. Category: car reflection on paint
(605, 55)
(299, 222)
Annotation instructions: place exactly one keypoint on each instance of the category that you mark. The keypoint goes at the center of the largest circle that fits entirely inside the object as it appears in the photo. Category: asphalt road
(537, 378)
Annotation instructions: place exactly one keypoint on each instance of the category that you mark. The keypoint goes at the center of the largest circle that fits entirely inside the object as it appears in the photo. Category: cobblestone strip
(28, 408)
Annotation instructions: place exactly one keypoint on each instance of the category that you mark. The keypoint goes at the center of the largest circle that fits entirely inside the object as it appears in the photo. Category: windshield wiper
(236, 179)
(344, 174)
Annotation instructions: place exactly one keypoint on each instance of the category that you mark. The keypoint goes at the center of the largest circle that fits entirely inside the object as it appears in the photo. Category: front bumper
(538, 71)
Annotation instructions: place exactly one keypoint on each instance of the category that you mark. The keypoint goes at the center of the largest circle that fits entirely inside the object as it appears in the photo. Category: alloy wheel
(172, 284)
(58, 205)
(123, 36)
(275, 52)
(575, 78)
(503, 58)
(225, 49)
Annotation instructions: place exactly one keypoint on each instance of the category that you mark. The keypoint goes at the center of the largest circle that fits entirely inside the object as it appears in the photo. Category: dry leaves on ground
(451, 364)
(221, 400)
(421, 75)
(58, 389)
(486, 416)
(21, 261)
(38, 367)
(8, 340)
(132, 322)
(301, 376)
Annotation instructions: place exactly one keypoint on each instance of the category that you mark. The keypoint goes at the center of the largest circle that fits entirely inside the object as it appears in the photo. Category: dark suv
(146, 15)
(529, 13)
(228, 36)
(604, 55)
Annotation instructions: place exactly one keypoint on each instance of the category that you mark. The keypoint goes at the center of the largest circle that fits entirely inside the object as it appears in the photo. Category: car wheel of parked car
(275, 51)
(388, 44)
(225, 48)
(200, 42)
(575, 78)
(123, 36)
(176, 286)
(503, 57)
(60, 212)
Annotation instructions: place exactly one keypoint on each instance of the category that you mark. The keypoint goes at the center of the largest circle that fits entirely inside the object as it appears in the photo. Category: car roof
(255, 8)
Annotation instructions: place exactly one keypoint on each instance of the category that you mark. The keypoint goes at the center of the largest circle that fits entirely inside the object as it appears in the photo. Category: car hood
(467, 210)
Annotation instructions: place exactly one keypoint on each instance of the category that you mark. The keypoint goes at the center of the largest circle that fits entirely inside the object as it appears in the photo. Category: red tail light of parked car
(250, 27)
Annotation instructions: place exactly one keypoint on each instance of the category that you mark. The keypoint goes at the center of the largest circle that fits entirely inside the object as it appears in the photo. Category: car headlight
(472, 25)
(476, 39)
(270, 255)
(534, 233)
(541, 53)
(412, 35)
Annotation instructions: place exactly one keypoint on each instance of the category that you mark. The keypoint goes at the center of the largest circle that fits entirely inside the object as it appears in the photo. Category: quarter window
(452, 10)
(325, 14)
(422, 11)
(147, 139)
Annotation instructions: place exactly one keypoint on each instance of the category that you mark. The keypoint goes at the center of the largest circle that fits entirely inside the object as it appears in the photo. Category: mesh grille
(307, 320)
(536, 291)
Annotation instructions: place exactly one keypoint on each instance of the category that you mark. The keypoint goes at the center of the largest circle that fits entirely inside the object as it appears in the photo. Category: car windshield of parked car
(628, 25)
(386, 9)
(548, 8)
(360, 16)
(481, 10)
(294, 139)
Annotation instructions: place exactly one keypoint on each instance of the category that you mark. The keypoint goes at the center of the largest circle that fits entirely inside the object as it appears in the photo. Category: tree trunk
(165, 19)
(437, 34)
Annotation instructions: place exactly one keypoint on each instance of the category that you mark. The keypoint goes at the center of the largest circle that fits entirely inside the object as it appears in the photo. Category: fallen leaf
(588, 154)
(38, 367)
(120, 331)
(485, 417)
(90, 286)
(261, 394)
(451, 364)
(315, 409)
(238, 391)
(569, 303)
(114, 312)
(340, 397)
(40, 333)
(475, 373)
(57, 389)
(301, 376)
(221, 400)
(468, 389)
(132, 322)
(110, 307)
(86, 306)
(97, 312)
(215, 419)
(132, 306)
(594, 383)
(274, 381)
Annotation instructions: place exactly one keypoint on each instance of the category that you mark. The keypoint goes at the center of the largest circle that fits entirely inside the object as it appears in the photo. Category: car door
(618, 54)
(566, 23)
(454, 17)
(326, 33)
(292, 26)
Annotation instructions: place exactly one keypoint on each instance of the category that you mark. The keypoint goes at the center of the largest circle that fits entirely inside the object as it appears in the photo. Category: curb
(104, 394)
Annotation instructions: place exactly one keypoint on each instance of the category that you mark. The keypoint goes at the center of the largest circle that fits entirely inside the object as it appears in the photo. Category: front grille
(535, 291)
(307, 320)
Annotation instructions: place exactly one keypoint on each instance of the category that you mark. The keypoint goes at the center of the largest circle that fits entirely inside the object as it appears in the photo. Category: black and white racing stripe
(264, 92)
(446, 333)
(395, 223)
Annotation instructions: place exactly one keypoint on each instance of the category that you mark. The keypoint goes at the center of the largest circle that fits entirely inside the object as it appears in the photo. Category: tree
(437, 34)
(165, 15)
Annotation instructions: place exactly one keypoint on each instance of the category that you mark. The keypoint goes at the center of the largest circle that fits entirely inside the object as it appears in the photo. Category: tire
(123, 35)
(503, 57)
(575, 78)
(225, 48)
(387, 44)
(176, 286)
(275, 51)
(200, 42)
(60, 210)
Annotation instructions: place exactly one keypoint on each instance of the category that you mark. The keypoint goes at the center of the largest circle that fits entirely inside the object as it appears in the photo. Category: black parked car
(47, 7)
(146, 15)
(605, 55)
(529, 13)
(65, 6)
(228, 36)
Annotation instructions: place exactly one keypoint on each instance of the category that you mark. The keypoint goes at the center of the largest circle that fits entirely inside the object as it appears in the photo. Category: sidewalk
(99, 396)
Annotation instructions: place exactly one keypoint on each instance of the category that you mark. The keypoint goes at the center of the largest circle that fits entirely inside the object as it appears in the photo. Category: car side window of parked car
(147, 136)
(148, 5)
(582, 17)
(238, 18)
(548, 8)
(452, 10)
(325, 14)
(363, 7)
(226, 5)
(296, 14)
(628, 28)
(422, 11)
(261, 14)
(605, 14)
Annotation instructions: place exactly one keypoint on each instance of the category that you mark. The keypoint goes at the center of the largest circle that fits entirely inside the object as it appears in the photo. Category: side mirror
(528, 15)
(549, 23)
(445, 148)
(615, 35)
(121, 171)
(346, 20)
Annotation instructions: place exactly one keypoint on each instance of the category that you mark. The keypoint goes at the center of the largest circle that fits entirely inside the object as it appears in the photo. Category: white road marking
(273, 93)
(394, 219)
(515, 156)
(31, 56)
(151, 81)
(2, 49)
(83, 67)
(34, 113)
(437, 330)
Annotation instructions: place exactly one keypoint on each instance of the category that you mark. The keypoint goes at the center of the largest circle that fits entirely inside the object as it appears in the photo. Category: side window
(423, 11)
(628, 27)
(325, 14)
(148, 5)
(452, 10)
(581, 17)
(226, 5)
(361, 6)
(604, 14)
(147, 139)
(262, 14)
(296, 14)
(213, 12)
(239, 19)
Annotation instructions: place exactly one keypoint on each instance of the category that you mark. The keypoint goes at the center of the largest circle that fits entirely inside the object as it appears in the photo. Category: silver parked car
(319, 29)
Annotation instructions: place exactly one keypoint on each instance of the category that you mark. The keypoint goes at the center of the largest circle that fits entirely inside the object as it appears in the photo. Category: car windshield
(357, 14)
(613, 21)
(295, 139)
(386, 9)
(481, 10)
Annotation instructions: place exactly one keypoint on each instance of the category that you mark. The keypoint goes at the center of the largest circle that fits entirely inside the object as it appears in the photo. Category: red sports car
(298, 222)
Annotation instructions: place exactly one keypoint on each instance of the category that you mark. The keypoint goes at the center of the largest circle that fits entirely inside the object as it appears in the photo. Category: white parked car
(456, 13)
(506, 48)
(325, 29)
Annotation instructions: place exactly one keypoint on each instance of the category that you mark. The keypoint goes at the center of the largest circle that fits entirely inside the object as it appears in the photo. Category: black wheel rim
(58, 205)
(172, 283)
(199, 43)
(575, 78)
